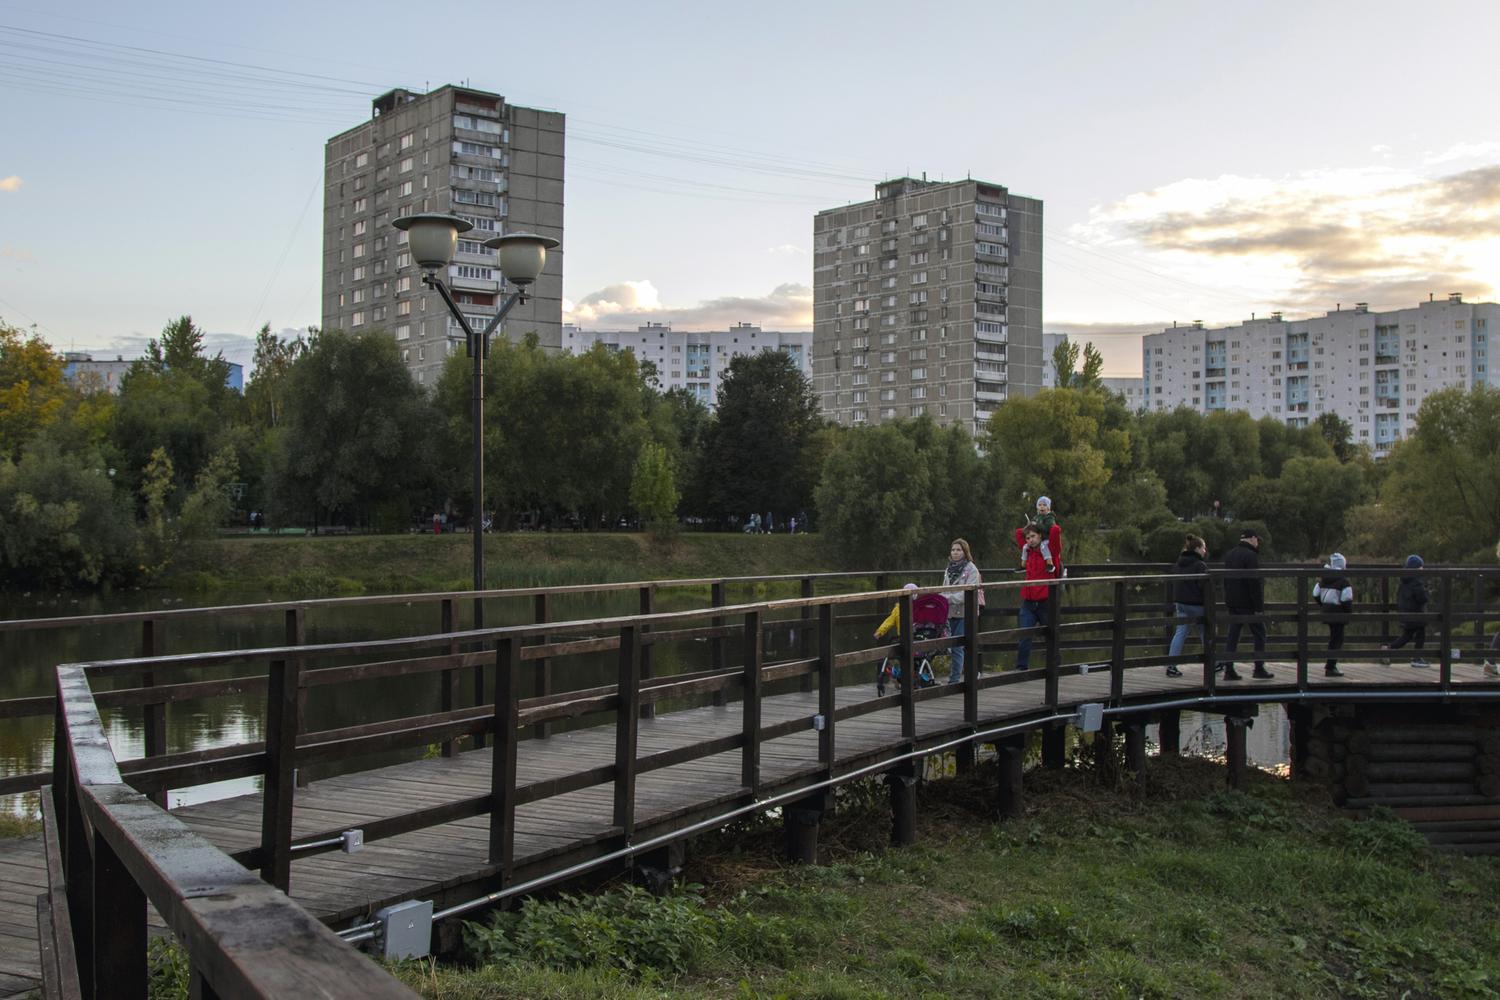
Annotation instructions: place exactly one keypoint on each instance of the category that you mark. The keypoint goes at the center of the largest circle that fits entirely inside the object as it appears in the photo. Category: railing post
(717, 659)
(1479, 637)
(153, 643)
(1117, 644)
(648, 607)
(1385, 610)
(627, 728)
(503, 762)
(805, 642)
(119, 927)
(198, 986)
(1445, 651)
(296, 635)
(479, 738)
(827, 696)
(750, 752)
(281, 760)
(1302, 596)
(1054, 651)
(1210, 644)
(73, 844)
(449, 682)
(908, 669)
(971, 659)
(541, 614)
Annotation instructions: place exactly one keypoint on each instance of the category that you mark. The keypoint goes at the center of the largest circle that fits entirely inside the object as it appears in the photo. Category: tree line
(332, 430)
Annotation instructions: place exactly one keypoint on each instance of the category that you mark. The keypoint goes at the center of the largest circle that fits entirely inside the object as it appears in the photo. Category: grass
(12, 825)
(316, 567)
(1168, 889)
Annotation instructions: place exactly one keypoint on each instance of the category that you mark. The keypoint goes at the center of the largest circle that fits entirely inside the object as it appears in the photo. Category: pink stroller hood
(930, 609)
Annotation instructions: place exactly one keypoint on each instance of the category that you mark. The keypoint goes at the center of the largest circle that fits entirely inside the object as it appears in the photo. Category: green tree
(1339, 434)
(1443, 482)
(180, 349)
(62, 522)
(1065, 363)
(875, 498)
(679, 422)
(653, 489)
(356, 436)
(1307, 505)
(265, 396)
(1092, 374)
(962, 504)
(33, 392)
(756, 449)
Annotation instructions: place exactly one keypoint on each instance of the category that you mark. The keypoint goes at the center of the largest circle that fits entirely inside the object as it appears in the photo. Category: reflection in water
(1267, 742)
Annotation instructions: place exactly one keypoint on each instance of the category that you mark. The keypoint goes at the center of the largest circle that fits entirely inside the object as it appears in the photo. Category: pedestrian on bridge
(1412, 598)
(1336, 595)
(1036, 560)
(1187, 594)
(961, 572)
(1245, 596)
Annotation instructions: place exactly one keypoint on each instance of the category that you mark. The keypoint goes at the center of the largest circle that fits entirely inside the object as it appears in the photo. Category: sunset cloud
(629, 304)
(1307, 241)
(11, 183)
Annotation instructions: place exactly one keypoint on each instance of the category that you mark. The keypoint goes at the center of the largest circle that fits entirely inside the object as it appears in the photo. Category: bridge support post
(655, 870)
(1010, 755)
(800, 821)
(964, 758)
(1106, 765)
(1135, 746)
(1299, 720)
(1234, 748)
(1169, 733)
(119, 926)
(1054, 747)
(902, 782)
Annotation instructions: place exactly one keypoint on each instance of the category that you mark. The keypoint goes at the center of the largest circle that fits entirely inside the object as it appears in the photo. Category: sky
(1196, 161)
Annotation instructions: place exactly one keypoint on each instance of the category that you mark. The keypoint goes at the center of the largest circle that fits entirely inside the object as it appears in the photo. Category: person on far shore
(1245, 596)
(1336, 594)
(961, 572)
(1412, 598)
(1038, 565)
(1187, 595)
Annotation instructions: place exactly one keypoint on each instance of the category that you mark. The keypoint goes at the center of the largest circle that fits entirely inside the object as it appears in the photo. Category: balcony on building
(992, 392)
(985, 352)
(990, 336)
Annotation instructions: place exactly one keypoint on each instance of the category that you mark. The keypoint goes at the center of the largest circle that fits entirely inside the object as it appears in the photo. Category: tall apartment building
(1373, 369)
(455, 150)
(694, 361)
(927, 299)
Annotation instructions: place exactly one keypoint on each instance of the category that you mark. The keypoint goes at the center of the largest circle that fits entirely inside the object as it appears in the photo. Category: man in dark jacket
(1245, 596)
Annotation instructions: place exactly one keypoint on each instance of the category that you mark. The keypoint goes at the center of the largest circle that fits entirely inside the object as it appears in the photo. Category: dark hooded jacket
(1244, 595)
(1412, 598)
(1189, 591)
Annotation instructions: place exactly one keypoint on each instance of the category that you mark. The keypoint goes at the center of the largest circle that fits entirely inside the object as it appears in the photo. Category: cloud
(1489, 150)
(1306, 241)
(11, 183)
(787, 249)
(629, 304)
(19, 254)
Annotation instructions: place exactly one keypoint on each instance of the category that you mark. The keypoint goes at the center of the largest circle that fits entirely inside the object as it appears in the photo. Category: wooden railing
(117, 848)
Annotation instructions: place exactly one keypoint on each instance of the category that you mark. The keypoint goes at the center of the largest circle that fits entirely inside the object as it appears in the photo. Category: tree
(875, 498)
(1065, 363)
(1061, 443)
(1093, 368)
(962, 504)
(357, 434)
(653, 490)
(180, 349)
(1339, 434)
(679, 422)
(1307, 506)
(62, 522)
(33, 392)
(265, 397)
(755, 452)
(1443, 481)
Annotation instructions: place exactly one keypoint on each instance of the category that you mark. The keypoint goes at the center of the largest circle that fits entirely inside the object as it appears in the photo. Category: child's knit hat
(1413, 562)
(1337, 561)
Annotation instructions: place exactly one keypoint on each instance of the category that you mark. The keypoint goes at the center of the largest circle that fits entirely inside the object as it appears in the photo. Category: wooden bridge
(538, 777)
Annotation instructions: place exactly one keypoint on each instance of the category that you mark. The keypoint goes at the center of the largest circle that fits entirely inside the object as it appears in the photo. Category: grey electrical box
(406, 929)
(1091, 717)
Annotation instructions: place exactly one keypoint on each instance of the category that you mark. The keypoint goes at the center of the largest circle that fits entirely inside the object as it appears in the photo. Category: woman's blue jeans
(1179, 637)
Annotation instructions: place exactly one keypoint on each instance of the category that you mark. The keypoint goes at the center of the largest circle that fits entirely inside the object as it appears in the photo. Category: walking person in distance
(1335, 594)
(961, 572)
(1245, 596)
(1187, 595)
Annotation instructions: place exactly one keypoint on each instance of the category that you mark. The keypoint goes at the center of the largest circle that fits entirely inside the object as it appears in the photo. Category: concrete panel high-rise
(1372, 369)
(458, 150)
(927, 299)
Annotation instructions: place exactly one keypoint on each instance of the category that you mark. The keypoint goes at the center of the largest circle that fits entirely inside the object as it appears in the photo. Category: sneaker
(1230, 674)
(1220, 667)
(1262, 674)
(1490, 670)
(1332, 672)
(1172, 671)
(1420, 663)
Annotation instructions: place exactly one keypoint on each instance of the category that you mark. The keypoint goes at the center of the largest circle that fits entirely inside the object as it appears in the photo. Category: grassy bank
(1175, 889)
(308, 566)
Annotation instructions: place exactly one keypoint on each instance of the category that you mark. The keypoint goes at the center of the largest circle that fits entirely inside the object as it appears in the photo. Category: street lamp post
(432, 238)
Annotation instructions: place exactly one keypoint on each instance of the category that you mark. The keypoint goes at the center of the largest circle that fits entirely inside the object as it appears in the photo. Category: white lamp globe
(432, 237)
(522, 255)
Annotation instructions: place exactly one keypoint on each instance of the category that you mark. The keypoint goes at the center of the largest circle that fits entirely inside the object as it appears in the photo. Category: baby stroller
(929, 620)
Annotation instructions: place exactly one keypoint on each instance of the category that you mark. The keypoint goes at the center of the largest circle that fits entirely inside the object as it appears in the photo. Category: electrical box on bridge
(406, 929)
(1091, 717)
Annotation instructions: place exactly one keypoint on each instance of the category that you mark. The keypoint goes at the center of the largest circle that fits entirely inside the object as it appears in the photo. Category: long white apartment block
(694, 360)
(1373, 369)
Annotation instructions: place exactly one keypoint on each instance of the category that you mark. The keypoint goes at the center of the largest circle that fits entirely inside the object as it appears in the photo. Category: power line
(276, 272)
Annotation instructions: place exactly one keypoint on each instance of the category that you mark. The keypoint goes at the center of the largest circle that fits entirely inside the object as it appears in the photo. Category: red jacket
(1036, 568)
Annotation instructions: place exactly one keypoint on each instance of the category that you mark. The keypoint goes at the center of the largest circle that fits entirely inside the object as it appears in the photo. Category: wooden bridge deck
(449, 864)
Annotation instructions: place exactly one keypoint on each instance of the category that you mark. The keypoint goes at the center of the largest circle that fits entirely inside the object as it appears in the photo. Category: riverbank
(323, 566)
(1172, 889)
